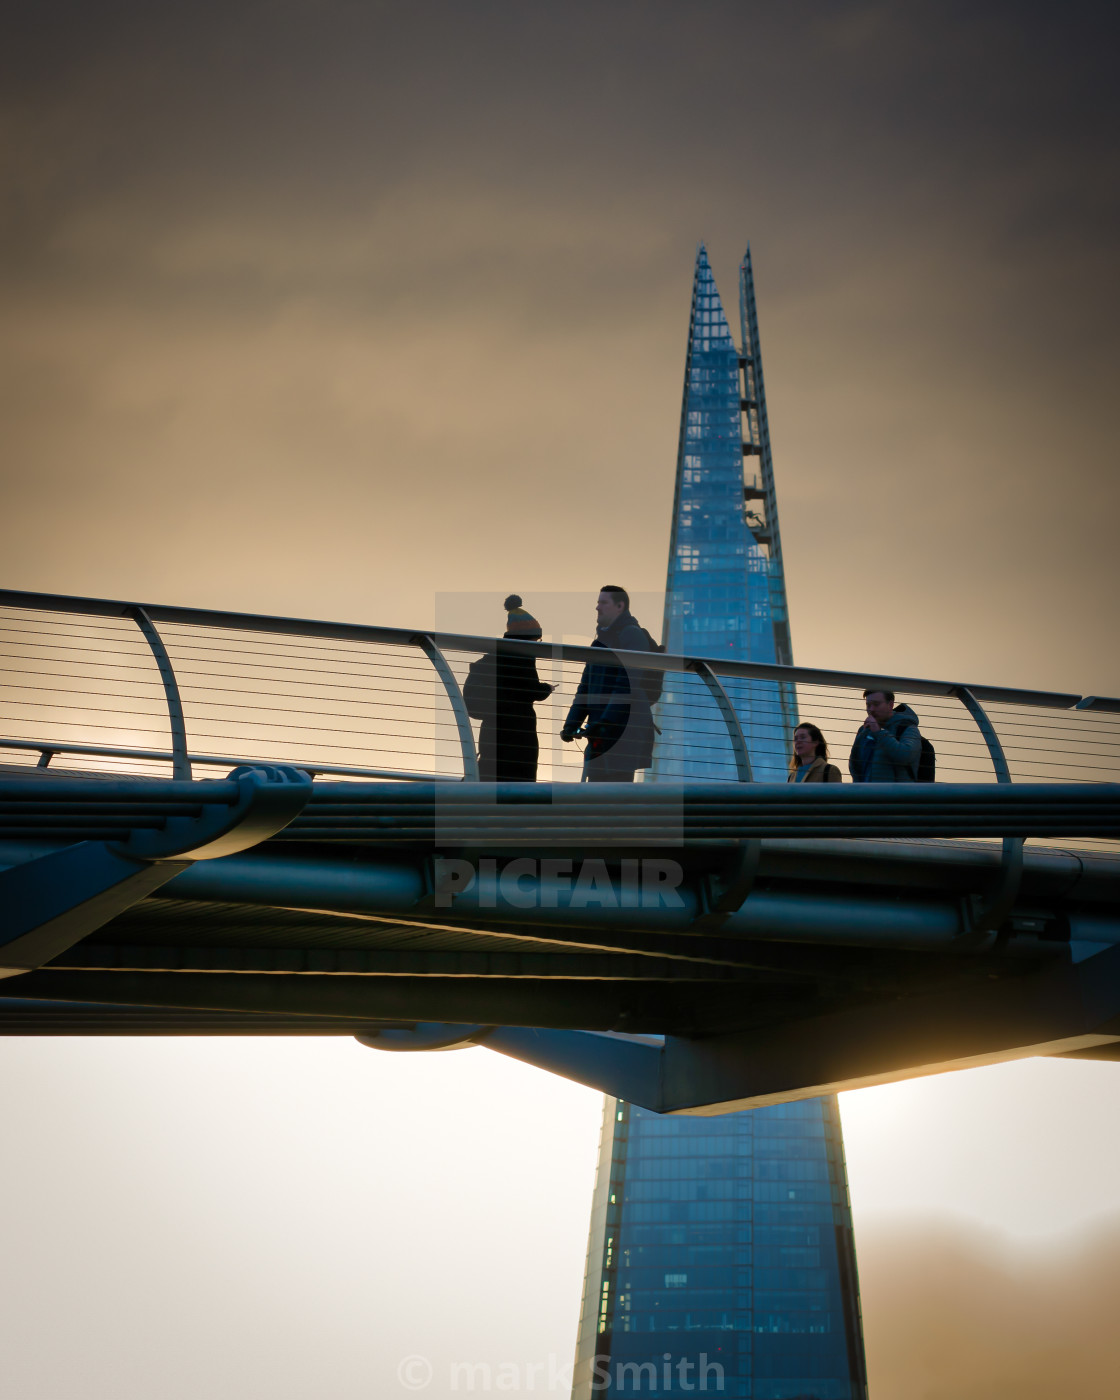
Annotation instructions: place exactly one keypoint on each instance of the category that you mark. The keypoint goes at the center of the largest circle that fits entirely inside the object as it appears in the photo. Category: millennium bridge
(227, 824)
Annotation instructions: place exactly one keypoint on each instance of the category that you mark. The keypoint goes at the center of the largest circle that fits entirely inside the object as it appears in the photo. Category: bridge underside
(692, 949)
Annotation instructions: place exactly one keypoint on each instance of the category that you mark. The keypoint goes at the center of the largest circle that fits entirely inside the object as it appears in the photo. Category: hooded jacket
(897, 747)
(610, 698)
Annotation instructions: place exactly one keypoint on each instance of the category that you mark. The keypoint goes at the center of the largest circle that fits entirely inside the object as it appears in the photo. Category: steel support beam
(1070, 1010)
(796, 911)
(989, 913)
(25, 1016)
(625, 1067)
(553, 1003)
(1058, 1011)
(517, 964)
(50, 903)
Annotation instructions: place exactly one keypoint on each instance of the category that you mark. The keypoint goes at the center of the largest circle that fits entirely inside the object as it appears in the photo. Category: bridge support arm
(723, 896)
(984, 917)
(628, 1069)
(49, 904)
(1067, 1009)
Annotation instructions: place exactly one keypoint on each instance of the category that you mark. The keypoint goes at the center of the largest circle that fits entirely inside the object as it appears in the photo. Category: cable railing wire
(252, 688)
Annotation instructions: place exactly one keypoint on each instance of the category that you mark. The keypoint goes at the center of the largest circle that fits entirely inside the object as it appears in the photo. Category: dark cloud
(390, 279)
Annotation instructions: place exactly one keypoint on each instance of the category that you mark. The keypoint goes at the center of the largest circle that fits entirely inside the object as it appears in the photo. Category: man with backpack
(613, 706)
(888, 747)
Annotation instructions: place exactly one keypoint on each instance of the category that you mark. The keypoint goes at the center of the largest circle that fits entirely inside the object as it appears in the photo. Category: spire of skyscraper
(723, 1243)
(725, 590)
(756, 443)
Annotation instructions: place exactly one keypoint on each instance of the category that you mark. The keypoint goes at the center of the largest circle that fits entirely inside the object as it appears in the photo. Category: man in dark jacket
(610, 701)
(887, 745)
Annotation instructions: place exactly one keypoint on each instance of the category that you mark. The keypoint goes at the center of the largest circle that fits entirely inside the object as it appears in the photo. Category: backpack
(652, 682)
(927, 763)
(480, 686)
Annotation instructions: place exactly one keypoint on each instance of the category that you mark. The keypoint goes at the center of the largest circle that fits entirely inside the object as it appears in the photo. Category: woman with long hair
(809, 761)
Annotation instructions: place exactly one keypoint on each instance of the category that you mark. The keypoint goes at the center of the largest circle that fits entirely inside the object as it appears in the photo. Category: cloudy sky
(336, 309)
(291, 290)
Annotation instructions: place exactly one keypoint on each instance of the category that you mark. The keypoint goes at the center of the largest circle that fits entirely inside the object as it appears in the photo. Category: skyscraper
(725, 592)
(720, 1256)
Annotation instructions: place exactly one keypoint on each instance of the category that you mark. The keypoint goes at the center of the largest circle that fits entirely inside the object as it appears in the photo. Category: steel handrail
(48, 748)
(563, 651)
(434, 644)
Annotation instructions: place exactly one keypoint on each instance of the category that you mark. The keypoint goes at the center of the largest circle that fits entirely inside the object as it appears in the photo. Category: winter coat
(898, 747)
(819, 772)
(612, 699)
(507, 738)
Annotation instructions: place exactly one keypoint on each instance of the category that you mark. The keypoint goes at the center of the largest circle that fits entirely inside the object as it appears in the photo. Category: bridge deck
(781, 939)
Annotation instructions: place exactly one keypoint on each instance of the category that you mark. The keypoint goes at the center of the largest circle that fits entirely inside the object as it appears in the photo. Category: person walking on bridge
(888, 745)
(610, 702)
(809, 763)
(502, 693)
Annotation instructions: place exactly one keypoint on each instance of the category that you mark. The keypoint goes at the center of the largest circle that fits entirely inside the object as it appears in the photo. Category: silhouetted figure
(809, 763)
(506, 690)
(614, 704)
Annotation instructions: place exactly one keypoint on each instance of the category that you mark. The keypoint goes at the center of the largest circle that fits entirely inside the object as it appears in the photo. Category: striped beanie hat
(520, 623)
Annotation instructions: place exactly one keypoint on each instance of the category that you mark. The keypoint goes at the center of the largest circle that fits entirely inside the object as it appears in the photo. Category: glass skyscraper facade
(720, 1257)
(725, 590)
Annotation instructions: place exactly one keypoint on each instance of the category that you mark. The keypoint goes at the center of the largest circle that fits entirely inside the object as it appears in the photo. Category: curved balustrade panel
(1072, 746)
(89, 685)
(317, 703)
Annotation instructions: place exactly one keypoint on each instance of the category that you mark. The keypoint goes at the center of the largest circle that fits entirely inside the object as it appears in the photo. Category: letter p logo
(452, 877)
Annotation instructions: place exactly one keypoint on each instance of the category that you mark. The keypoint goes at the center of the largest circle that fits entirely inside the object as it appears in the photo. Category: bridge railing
(109, 686)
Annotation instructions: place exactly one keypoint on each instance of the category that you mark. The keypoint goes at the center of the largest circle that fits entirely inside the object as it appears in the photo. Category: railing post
(984, 724)
(730, 719)
(996, 906)
(180, 759)
(720, 897)
(458, 704)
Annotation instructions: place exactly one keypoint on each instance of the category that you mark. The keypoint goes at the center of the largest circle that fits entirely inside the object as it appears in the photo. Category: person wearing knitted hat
(519, 622)
(501, 691)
